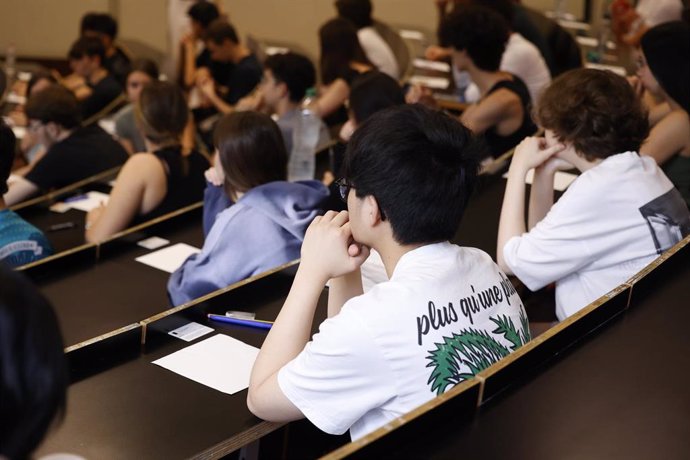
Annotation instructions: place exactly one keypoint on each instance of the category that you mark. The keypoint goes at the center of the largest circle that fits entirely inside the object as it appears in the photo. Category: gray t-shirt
(126, 128)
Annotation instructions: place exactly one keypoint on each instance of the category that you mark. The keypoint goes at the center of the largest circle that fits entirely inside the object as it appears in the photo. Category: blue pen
(241, 322)
(76, 198)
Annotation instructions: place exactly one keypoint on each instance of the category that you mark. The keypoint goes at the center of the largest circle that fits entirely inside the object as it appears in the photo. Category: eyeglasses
(343, 188)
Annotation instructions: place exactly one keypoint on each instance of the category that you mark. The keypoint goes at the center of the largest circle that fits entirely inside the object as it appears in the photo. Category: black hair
(33, 381)
(666, 48)
(221, 30)
(296, 71)
(146, 66)
(420, 165)
(54, 104)
(372, 93)
(7, 151)
(339, 46)
(204, 13)
(480, 31)
(87, 46)
(356, 11)
(99, 22)
(503, 7)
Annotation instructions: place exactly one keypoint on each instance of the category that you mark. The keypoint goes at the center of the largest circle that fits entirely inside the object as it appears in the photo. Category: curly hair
(595, 110)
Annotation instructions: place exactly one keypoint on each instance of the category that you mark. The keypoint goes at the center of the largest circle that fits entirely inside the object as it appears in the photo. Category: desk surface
(95, 299)
(140, 410)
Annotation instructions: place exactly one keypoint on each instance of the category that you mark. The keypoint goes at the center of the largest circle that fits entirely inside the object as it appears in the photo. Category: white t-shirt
(378, 51)
(655, 12)
(523, 59)
(397, 346)
(613, 220)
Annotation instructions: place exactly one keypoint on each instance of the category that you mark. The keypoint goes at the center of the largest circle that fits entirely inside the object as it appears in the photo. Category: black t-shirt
(220, 71)
(87, 151)
(242, 79)
(103, 93)
(118, 66)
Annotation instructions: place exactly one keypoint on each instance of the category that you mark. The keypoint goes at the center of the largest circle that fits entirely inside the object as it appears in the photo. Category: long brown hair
(161, 113)
(251, 150)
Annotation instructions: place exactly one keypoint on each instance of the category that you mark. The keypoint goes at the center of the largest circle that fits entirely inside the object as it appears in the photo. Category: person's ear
(284, 91)
(372, 211)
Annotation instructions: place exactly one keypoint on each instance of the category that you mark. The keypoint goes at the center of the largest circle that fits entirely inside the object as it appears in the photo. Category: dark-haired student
(265, 226)
(104, 27)
(615, 218)
(160, 180)
(664, 71)
(224, 46)
(342, 60)
(86, 58)
(478, 37)
(72, 153)
(20, 242)
(383, 353)
(33, 381)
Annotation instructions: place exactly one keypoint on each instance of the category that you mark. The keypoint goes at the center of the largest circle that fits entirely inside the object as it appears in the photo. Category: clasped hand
(534, 152)
(329, 250)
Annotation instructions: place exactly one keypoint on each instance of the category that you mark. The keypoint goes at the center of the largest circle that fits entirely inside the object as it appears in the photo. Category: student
(72, 153)
(377, 50)
(104, 27)
(33, 381)
(160, 180)
(224, 46)
(521, 57)
(287, 77)
(409, 172)
(20, 242)
(478, 38)
(143, 72)
(664, 71)
(342, 61)
(86, 59)
(265, 226)
(615, 218)
(198, 64)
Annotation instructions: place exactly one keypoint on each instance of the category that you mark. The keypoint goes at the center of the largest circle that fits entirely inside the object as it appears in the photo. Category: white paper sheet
(412, 35)
(430, 82)
(91, 200)
(170, 258)
(431, 65)
(561, 180)
(219, 362)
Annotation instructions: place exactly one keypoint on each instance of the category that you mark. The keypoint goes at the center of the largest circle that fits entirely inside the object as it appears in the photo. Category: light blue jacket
(264, 229)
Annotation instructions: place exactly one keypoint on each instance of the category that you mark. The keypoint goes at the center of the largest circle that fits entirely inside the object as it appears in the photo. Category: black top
(498, 144)
(103, 93)
(242, 79)
(185, 181)
(220, 71)
(340, 115)
(87, 151)
(118, 66)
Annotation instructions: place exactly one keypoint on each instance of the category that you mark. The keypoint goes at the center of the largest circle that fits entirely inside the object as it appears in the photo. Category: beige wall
(47, 27)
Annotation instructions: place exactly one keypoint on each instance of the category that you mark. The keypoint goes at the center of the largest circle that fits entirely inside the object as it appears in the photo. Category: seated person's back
(72, 153)
(86, 59)
(20, 242)
(159, 181)
(265, 226)
(615, 218)
(408, 174)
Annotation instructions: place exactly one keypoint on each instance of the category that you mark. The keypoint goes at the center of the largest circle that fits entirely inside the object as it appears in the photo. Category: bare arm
(342, 289)
(290, 332)
(207, 86)
(668, 137)
(332, 97)
(490, 111)
(529, 154)
(142, 175)
(20, 190)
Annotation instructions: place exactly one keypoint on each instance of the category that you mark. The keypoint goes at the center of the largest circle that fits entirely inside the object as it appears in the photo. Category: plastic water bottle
(10, 63)
(305, 137)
